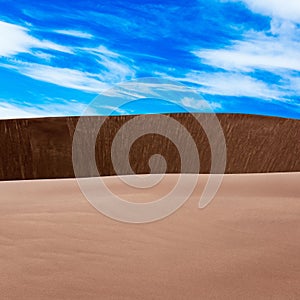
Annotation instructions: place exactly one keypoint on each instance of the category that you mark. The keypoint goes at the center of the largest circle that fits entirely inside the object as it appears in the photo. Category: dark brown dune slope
(42, 148)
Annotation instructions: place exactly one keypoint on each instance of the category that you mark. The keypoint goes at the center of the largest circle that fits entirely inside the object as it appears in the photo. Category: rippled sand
(244, 245)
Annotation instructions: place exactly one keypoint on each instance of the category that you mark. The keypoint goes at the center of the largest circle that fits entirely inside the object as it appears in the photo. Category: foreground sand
(244, 245)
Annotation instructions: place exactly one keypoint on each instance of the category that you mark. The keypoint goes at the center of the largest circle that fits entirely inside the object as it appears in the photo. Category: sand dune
(42, 148)
(244, 245)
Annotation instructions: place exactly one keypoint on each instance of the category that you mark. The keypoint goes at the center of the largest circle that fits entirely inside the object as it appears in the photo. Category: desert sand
(244, 245)
(42, 147)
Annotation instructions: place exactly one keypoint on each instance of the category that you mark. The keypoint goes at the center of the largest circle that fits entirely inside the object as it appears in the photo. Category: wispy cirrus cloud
(273, 50)
(16, 39)
(162, 92)
(109, 66)
(64, 77)
(110, 72)
(255, 51)
(110, 108)
(100, 51)
(234, 84)
(199, 104)
(74, 33)
(11, 109)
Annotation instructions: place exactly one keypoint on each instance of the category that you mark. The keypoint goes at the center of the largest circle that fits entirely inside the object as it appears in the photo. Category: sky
(240, 56)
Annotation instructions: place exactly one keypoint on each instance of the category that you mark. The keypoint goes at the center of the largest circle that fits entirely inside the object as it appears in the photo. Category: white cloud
(199, 104)
(60, 76)
(292, 85)
(275, 50)
(14, 110)
(148, 87)
(16, 39)
(115, 70)
(255, 51)
(74, 33)
(230, 83)
(112, 70)
(113, 67)
(284, 9)
(111, 108)
(285, 29)
(44, 44)
(42, 55)
(116, 65)
(9, 111)
(100, 51)
(168, 89)
(234, 84)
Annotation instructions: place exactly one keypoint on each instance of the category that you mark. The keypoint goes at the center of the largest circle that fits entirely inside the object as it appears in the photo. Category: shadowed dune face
(42, 148)
(244, 245)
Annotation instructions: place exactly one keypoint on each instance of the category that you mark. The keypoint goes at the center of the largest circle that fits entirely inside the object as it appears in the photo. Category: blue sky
(240, 56)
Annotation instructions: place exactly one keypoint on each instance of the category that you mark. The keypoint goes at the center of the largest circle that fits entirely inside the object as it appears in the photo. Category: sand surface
(42, 147)
(244, 245)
